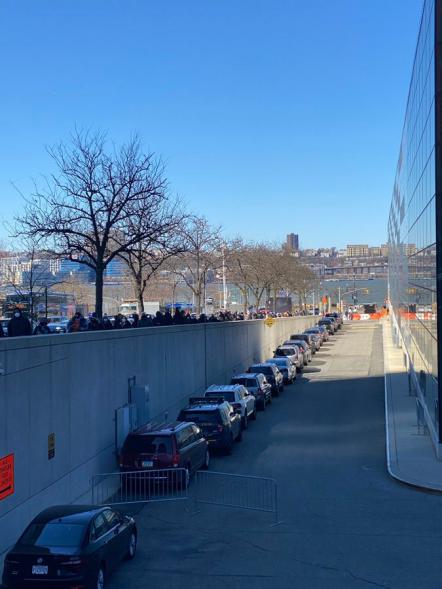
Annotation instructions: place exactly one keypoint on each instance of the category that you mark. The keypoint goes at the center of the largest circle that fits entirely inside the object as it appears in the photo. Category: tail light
(236, 406)
(73, 561)
(175, 460)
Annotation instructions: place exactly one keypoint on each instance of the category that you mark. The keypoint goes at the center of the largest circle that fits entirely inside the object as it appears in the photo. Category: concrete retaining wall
(71, 385)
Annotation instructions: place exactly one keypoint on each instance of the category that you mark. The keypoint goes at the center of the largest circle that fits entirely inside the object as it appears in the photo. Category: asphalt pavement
(343, 521)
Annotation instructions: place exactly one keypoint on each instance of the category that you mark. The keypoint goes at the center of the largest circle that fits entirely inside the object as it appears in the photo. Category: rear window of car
(228, 395)
(262, 370)
(201, 417)
(145, 444)
(246, 382)
(285, 352)
(51, 534)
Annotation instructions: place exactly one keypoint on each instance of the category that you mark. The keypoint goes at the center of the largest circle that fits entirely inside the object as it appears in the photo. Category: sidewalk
(411, 457)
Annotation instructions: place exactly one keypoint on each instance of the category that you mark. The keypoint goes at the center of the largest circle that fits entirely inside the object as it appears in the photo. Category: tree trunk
(140, 297)
(99, 271)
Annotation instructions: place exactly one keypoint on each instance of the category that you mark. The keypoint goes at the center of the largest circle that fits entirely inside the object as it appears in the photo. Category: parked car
(337, 317)
(307, 338)
(272, 374)
(257, 385)
(238, 396)
(324, 331)
(306, 351)
(219, 421)
(294, 353)
(175, 445)
(285, 367)
(316, 339)
(4, 326)
(321, 332)
(328, 323)
(58, 324)
(70, 546)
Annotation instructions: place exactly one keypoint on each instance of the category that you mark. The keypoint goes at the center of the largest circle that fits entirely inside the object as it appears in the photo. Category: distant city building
(292, 242)
(415, 226)
(374, 252)
(384, 250)
(357, 250)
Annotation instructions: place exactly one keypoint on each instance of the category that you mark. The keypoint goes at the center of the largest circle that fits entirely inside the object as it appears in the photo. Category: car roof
(79, 514)
(279, 359)
(260, 364)
(245, 375)
(158, 429)
(228, 388)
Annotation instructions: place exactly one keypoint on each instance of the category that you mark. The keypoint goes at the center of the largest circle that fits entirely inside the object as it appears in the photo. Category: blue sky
(272, 116)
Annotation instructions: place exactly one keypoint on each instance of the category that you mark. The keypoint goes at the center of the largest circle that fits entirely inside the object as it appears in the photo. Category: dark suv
(272, 374)
(177, 445)
(220, 423)
(329, 323)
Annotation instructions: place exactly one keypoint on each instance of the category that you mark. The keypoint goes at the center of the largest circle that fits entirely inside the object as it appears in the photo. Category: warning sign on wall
(6, 476)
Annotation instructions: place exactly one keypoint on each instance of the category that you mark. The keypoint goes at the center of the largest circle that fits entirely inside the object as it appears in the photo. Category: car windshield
(201, 416)
(50, 534)
(228, 395)
(246, 382)
(148, 444)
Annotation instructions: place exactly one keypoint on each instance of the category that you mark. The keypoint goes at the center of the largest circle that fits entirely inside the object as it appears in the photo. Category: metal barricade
(240, 491)
(140, 486)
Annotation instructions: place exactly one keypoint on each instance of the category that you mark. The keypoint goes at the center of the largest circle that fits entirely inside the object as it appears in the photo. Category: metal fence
(240, 491)
(140, 486)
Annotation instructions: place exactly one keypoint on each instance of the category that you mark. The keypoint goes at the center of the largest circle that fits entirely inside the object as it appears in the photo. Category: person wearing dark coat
(42, 328)
(2, 333)
(145, 321)
(135, 320)
(19, 324)
(107, 323)
(94, 323)
(118, 324)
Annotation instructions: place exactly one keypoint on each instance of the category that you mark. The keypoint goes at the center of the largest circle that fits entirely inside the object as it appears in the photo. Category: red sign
(324, 300)
(6, 476)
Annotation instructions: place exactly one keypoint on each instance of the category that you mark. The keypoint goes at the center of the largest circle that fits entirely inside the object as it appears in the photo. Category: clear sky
(272, 116)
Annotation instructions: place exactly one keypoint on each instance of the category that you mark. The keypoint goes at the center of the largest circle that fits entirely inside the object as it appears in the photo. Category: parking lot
(345, 523)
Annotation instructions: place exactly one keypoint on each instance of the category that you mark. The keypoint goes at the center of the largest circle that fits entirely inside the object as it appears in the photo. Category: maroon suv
(177, 445)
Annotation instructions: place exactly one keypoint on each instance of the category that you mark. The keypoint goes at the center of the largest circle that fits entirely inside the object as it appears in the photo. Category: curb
(395, 472)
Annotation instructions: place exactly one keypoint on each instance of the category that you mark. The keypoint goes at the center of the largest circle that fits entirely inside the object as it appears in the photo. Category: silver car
(286, 367)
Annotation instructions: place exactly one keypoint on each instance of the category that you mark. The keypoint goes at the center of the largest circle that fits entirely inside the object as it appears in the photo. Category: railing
(238, 491)
(140, 486)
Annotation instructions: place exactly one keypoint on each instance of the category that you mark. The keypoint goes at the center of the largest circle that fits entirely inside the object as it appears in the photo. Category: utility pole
(224, 281)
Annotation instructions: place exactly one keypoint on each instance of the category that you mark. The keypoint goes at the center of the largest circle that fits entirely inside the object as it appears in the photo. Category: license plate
(39, 570)
(147, 464)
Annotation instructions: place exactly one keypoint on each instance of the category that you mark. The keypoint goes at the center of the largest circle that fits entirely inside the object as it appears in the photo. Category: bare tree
(86, 208)
(202, 244)
(146, 257)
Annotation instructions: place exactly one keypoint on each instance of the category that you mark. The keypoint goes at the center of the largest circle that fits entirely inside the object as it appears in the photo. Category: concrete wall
(71, 385)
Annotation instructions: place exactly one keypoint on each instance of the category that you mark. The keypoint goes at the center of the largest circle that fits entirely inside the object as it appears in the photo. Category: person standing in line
(19, 324)
(42, 327)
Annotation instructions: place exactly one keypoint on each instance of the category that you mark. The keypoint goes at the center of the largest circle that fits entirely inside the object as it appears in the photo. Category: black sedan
(74, 546)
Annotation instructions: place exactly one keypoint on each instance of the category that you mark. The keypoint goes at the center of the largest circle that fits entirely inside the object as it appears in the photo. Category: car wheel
(239, 436)
(100, 578)
(254, 414)
(245, 421)
(262, 405)
(132, 548)
(281, 388)
(269, 402)
(206, 460)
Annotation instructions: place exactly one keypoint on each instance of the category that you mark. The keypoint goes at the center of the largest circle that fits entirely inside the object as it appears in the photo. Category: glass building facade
(413, 226)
